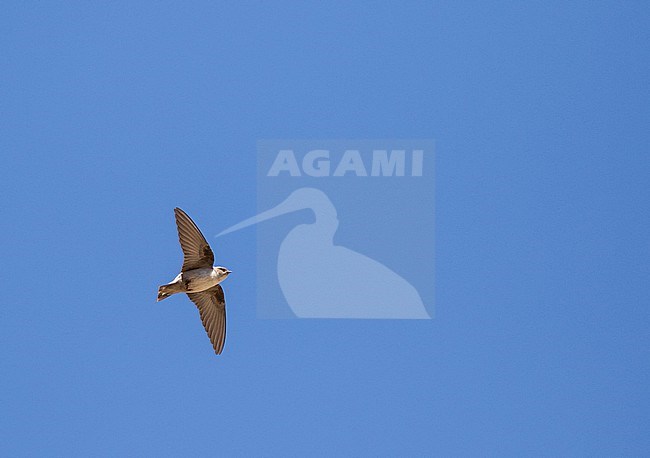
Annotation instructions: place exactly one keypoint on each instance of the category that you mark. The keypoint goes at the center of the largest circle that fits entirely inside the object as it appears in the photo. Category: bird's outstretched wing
(212, 308)
(197, 253)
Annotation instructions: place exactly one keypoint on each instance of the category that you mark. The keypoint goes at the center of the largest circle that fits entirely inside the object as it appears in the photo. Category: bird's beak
(228, 272)
(289, 205)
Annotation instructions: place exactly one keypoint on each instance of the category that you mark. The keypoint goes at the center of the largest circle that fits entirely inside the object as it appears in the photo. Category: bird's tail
(165, 291)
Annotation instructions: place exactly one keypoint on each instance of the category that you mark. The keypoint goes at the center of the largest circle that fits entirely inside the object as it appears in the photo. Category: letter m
(385, 165)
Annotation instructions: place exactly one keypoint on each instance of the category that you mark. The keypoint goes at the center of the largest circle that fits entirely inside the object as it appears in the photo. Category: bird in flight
(200, 280)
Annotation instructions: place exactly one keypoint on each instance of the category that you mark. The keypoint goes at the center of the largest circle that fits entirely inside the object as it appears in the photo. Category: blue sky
(113, 113)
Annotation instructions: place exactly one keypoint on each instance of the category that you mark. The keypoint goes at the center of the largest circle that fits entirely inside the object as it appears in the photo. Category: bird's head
(222, 272)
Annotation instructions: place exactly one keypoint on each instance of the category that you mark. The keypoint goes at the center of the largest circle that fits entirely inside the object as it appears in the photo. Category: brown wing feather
(212, 308)
(196, 251)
